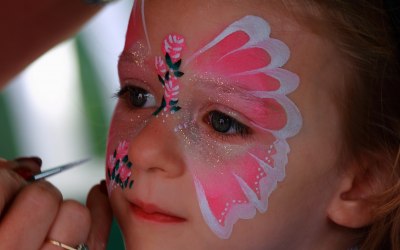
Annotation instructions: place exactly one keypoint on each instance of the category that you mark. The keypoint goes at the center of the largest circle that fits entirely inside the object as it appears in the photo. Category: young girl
(257, 125)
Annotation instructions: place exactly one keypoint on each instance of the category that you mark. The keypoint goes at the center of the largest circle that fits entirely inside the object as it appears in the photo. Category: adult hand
(31, 214)
(76, 224)
(29, 28)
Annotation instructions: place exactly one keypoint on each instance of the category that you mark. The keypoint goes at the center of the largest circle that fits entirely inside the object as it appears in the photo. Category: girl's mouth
(153, 213)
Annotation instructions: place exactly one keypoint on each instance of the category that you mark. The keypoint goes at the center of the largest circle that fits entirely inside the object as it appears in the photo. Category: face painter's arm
(30, 28)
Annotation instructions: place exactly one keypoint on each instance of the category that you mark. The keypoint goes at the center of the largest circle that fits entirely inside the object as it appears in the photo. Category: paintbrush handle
(55, 170)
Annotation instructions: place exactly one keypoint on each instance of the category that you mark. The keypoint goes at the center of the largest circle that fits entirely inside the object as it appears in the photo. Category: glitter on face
(183, 126)
(247, 71)
(241, 68)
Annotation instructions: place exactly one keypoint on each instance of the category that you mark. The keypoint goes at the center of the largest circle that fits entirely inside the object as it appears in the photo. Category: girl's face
(225, 131)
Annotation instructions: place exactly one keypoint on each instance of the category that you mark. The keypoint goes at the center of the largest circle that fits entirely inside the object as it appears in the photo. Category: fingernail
(25, 173)
(103, 187)
(35, 160)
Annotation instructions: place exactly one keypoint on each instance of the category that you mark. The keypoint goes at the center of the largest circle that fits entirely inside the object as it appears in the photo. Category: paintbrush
(55, 170)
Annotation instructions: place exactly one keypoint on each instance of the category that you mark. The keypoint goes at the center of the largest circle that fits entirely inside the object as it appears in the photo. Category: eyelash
(128, 93)
(236, 128)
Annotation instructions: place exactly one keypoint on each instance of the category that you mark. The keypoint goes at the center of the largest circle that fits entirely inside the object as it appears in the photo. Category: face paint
(119, 168)
(168, 72)
(232, 182)
(245, 57)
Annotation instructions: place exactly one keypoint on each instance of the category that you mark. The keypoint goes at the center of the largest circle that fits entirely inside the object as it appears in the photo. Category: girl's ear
(352, 206)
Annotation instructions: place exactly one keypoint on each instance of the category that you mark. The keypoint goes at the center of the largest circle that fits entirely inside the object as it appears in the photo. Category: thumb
(101, 216)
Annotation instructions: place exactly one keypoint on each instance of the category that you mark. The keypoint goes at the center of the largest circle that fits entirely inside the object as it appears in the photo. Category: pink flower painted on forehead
(168, 72)
(246, 55)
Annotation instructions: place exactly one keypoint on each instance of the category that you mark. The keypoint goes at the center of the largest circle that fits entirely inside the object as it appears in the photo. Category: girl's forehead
(199, 21)
(312, 57)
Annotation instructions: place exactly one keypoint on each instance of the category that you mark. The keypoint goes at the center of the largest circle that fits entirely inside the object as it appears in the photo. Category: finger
(7, 164)
(101, 213)
(30, 217)
(71, 227)
(27, 166)
(10, 184)
(34, 163)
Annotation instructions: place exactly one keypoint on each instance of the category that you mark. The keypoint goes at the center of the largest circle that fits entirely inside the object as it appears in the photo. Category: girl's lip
(153, 213)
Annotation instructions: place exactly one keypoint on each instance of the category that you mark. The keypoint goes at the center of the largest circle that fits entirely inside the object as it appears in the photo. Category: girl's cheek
(124, 126)
(232, 181)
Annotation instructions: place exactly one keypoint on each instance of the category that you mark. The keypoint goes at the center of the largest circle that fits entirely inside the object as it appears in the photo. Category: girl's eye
(225, 124)
(136, 96)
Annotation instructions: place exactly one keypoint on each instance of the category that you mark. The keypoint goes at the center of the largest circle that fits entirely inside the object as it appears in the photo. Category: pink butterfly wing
(245, 54)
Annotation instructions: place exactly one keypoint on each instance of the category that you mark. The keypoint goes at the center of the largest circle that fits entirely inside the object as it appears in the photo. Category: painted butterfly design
(246, 54)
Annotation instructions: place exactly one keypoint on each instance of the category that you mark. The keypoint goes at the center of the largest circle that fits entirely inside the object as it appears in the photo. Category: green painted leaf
(155, 113)
(117, 165)
(175, 108)
(158, 110)
(163, 104)
(125, 159)
(129, 164)
(177, 65)
(168, 60)
(131, 184)
(178, 73)
(167, 76)
(173, 103)
(161, 80)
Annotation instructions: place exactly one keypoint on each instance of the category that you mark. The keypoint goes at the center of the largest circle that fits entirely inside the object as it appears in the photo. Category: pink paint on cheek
(240, 188)
(246, 55)
(118, 168)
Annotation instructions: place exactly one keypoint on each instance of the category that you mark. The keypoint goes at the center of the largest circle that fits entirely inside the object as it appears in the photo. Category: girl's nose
(156, 149)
